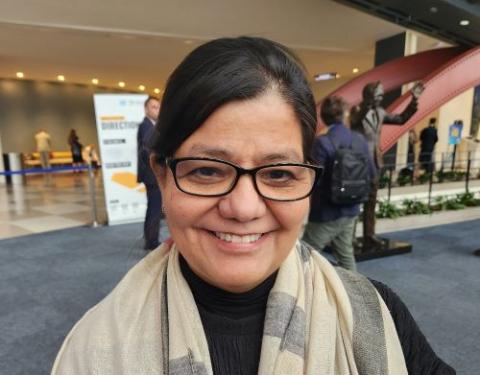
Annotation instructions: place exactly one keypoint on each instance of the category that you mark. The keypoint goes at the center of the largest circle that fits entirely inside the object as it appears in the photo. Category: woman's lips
(231, 242)
(236, 238)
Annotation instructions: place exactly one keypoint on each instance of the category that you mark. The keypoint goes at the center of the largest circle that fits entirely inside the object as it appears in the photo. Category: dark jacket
(144, 135)
(322, 209)
(428, 138)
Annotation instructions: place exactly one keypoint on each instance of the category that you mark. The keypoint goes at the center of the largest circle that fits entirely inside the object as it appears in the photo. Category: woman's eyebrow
(214, 152)
(287, 155)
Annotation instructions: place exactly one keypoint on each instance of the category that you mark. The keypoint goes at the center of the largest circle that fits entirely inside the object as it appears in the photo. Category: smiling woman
(234, 291)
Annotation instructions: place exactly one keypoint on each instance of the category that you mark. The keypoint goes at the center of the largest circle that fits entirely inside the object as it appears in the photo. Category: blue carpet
(48, 281)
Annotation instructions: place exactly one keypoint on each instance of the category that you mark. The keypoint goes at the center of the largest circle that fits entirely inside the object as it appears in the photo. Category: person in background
(151, 225)
(90, 155)
(44, 147)
(76, 150)
(412, 141)
(330, 222)
(428, 139)
(234, 291)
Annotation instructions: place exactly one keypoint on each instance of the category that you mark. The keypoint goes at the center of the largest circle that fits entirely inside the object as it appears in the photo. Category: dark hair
(226, 70)
(432, 120)
(333, 110)
(148, 100)
(368, 91)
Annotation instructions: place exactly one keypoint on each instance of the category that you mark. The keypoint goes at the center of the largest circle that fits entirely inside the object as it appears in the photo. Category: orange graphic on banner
(128, 180)
(112, 118)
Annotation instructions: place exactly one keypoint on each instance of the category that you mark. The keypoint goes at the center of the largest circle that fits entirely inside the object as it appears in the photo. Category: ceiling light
(95, 81)
(434, 9)
(141, 88)
(188, 41)
(121, 84)
(20, 75)
(156, 91)
(355, 70)
(61, 77)
(325, 76)
(464, 22)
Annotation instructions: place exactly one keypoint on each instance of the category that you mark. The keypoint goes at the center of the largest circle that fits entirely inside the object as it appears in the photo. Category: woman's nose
(243, 203)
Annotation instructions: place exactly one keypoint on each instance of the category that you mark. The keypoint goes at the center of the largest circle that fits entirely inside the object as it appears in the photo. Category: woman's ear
(160, 171)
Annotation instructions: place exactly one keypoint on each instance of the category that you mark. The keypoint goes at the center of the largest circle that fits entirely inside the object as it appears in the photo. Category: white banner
(118, 117)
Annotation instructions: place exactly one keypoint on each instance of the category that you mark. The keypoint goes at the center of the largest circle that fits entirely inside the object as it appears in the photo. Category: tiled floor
(46, 203)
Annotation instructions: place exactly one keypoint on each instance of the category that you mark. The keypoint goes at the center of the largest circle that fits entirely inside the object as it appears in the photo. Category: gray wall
(28, 106)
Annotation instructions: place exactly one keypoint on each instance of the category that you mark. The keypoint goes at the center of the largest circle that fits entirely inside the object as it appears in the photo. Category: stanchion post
(91, 180)
(467, 177)
(454, 154)
(430, 184)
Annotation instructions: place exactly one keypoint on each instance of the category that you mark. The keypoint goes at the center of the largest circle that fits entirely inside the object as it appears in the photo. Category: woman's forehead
(287, 153)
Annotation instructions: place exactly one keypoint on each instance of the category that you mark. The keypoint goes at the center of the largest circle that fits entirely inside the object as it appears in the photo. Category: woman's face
(248, 133)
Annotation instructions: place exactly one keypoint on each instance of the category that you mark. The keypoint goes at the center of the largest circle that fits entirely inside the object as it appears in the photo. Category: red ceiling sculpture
(445, 72)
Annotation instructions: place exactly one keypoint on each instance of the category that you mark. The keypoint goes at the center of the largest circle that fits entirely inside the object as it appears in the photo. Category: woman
(234, 292)
(76, 149)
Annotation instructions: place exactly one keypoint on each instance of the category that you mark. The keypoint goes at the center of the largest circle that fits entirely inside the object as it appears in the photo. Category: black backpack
(351, 181)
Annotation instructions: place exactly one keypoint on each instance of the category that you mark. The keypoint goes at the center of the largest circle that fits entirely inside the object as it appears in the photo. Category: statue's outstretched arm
(402, 118)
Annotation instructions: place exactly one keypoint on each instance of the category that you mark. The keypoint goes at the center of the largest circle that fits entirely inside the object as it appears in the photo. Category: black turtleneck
(233, 323)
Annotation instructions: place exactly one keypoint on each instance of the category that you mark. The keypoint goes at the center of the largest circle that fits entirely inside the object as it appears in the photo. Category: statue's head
(373, 93)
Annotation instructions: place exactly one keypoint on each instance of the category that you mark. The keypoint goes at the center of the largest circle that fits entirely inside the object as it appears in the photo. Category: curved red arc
(443, 84)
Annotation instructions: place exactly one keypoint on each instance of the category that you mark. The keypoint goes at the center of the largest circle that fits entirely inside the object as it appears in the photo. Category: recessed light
(156, 91)
(121, 84)
(20, 75)
(434, 9)
(325, 76)
(61, 77)
(464, 22)
(141, 88)
(95, 81)
(188, 41)
(355, 70)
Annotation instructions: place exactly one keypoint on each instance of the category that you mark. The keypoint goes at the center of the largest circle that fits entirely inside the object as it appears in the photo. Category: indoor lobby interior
(60, 254)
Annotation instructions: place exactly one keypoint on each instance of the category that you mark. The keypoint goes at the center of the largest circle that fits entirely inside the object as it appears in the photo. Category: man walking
(331, 222)
(428, 139)
(151, 226)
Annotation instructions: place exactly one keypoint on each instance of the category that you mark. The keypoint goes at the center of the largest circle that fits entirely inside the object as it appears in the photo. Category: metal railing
(430, 173)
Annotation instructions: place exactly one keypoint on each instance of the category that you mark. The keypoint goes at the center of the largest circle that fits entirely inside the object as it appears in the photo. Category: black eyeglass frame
(172, 164)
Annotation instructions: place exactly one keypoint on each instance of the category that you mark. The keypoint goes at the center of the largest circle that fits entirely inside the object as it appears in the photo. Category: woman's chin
(238, 279)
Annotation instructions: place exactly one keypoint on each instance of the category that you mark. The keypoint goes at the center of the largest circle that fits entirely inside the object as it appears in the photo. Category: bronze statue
(368, 118)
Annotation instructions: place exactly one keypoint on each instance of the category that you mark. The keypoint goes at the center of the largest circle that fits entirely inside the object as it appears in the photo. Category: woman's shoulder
(117, 322)
(419, 355)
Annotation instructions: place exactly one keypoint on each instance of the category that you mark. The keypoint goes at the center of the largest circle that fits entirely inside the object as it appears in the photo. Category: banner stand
(93, 196)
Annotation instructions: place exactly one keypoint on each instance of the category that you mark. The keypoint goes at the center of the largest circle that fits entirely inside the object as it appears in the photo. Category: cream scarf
(319, 320)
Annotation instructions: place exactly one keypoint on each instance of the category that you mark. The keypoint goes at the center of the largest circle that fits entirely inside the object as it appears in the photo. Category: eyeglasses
(207, 177)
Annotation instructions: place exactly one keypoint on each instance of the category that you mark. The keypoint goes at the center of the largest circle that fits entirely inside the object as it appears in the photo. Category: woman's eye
(279, 174)
(205, 172)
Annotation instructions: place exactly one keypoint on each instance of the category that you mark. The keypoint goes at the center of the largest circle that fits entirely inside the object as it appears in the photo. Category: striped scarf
(319, 320)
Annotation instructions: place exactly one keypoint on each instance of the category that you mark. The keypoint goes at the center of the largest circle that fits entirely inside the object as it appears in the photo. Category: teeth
(228, 237)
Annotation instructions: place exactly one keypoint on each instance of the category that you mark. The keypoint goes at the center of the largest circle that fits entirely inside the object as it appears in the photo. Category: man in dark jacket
(428, 139)
(330, 222)
(151, 226)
